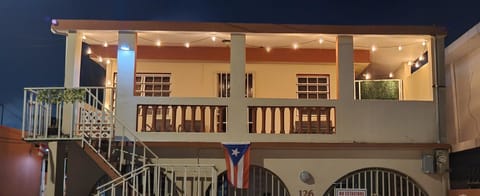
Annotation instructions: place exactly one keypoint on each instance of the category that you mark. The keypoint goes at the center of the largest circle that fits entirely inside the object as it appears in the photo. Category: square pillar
(73, 56)
(346, 75)
(126, 61)
(237, 106)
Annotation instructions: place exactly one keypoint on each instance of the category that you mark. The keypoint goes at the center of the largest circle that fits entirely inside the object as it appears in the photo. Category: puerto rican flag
(237, 157)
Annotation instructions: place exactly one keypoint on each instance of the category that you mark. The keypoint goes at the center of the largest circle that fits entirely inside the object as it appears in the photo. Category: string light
(424, 43)
(417, 64)
(421, 58)
(214, 38)
(410, 63)
(100, 59)
(295, 46)
(367, 76)
(84, 37)
(268, 48)
(108, 61)
(89, 50)
(105, 44)
(400, 48)
(374, 48)
(158, 43)
(320, 41)
(390, 75)
(187, 45)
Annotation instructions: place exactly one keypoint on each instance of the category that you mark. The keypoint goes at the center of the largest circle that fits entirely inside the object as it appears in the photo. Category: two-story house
(328, 110)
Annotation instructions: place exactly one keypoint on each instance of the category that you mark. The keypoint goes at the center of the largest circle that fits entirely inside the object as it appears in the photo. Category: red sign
(350, 192)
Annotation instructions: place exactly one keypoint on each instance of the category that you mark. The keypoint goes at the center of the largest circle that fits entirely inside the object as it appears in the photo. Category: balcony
(213, 119)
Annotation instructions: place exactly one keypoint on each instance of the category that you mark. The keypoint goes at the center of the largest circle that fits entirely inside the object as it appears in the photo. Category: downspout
(1, 113)
(439, 87)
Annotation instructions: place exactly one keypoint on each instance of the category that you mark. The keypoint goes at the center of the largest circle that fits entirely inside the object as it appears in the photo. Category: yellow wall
(418, 85)
(270, 80)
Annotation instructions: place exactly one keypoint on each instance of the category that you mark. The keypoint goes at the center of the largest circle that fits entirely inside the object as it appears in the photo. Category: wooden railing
(181, 118)
(291, 119)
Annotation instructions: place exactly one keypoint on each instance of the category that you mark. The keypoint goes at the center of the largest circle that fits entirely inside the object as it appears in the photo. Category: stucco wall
(326, 166)
(20, 164)
(463, 89)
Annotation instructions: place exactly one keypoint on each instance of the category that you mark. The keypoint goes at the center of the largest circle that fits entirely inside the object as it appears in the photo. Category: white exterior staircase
(85, 115)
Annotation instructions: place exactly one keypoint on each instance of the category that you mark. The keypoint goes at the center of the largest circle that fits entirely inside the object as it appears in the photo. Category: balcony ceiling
(387, 58)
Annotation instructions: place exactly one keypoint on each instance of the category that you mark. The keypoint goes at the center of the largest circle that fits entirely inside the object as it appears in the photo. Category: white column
(73, 56)
(126, 109)
(237, 106)
(345, 82)
(346, 75)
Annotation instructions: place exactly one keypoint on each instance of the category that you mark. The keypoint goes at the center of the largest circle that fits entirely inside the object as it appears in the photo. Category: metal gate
(378, 182)
(262, 182)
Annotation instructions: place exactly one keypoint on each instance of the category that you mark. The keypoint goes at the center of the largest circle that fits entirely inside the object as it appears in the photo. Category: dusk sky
(33, 56)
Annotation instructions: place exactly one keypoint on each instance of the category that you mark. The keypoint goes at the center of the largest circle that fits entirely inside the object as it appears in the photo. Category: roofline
(66, 25)
(463, 45)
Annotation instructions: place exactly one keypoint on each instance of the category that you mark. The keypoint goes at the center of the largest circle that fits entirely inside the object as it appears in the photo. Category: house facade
(327, 110)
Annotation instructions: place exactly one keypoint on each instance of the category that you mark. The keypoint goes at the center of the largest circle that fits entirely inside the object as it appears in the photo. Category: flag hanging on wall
(237, 157)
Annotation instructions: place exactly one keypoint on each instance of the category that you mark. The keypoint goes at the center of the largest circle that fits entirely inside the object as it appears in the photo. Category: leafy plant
(61, 95)
(385, 89)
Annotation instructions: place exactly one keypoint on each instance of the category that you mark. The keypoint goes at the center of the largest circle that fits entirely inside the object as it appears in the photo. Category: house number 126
(306, 193)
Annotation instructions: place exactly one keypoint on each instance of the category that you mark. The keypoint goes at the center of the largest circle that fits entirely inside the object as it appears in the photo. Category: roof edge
(463, 45)
(67, 25)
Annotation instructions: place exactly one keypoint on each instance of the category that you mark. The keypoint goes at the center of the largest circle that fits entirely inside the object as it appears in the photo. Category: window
(152, 84)
(313, 86)
(224, 85)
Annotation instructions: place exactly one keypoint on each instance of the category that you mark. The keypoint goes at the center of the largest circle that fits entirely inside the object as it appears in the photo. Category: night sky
(32, 56)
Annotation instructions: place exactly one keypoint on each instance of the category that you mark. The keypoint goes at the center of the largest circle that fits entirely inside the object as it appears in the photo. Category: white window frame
(312, 86)
(142, 91)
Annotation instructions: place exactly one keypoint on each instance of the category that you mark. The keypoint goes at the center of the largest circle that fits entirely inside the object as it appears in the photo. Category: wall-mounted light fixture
(306, 177)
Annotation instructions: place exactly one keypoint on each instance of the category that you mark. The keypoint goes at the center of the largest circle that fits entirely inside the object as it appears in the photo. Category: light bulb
(400, 48)
(108, 61)
(105, 44)
(367, 76)
(187, 45)
(374, 48)
(417, 65)
(100, 59)
(84, 37)
(89, 50)
(390, 75)
(410, 63)
(295, 46)
(421, 57)
(268, 48)
(158, 43)
(320, 41)
(424, 43)
(214, 38)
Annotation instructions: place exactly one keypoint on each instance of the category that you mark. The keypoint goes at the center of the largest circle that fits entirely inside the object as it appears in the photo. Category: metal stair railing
(164, 179)
(92, 122)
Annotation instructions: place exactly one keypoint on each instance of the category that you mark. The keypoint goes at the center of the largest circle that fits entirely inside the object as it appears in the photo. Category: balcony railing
(181, 118)
(291, 120)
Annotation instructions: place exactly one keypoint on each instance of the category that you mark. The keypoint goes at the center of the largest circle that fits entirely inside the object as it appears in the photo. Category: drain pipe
(1, 113)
